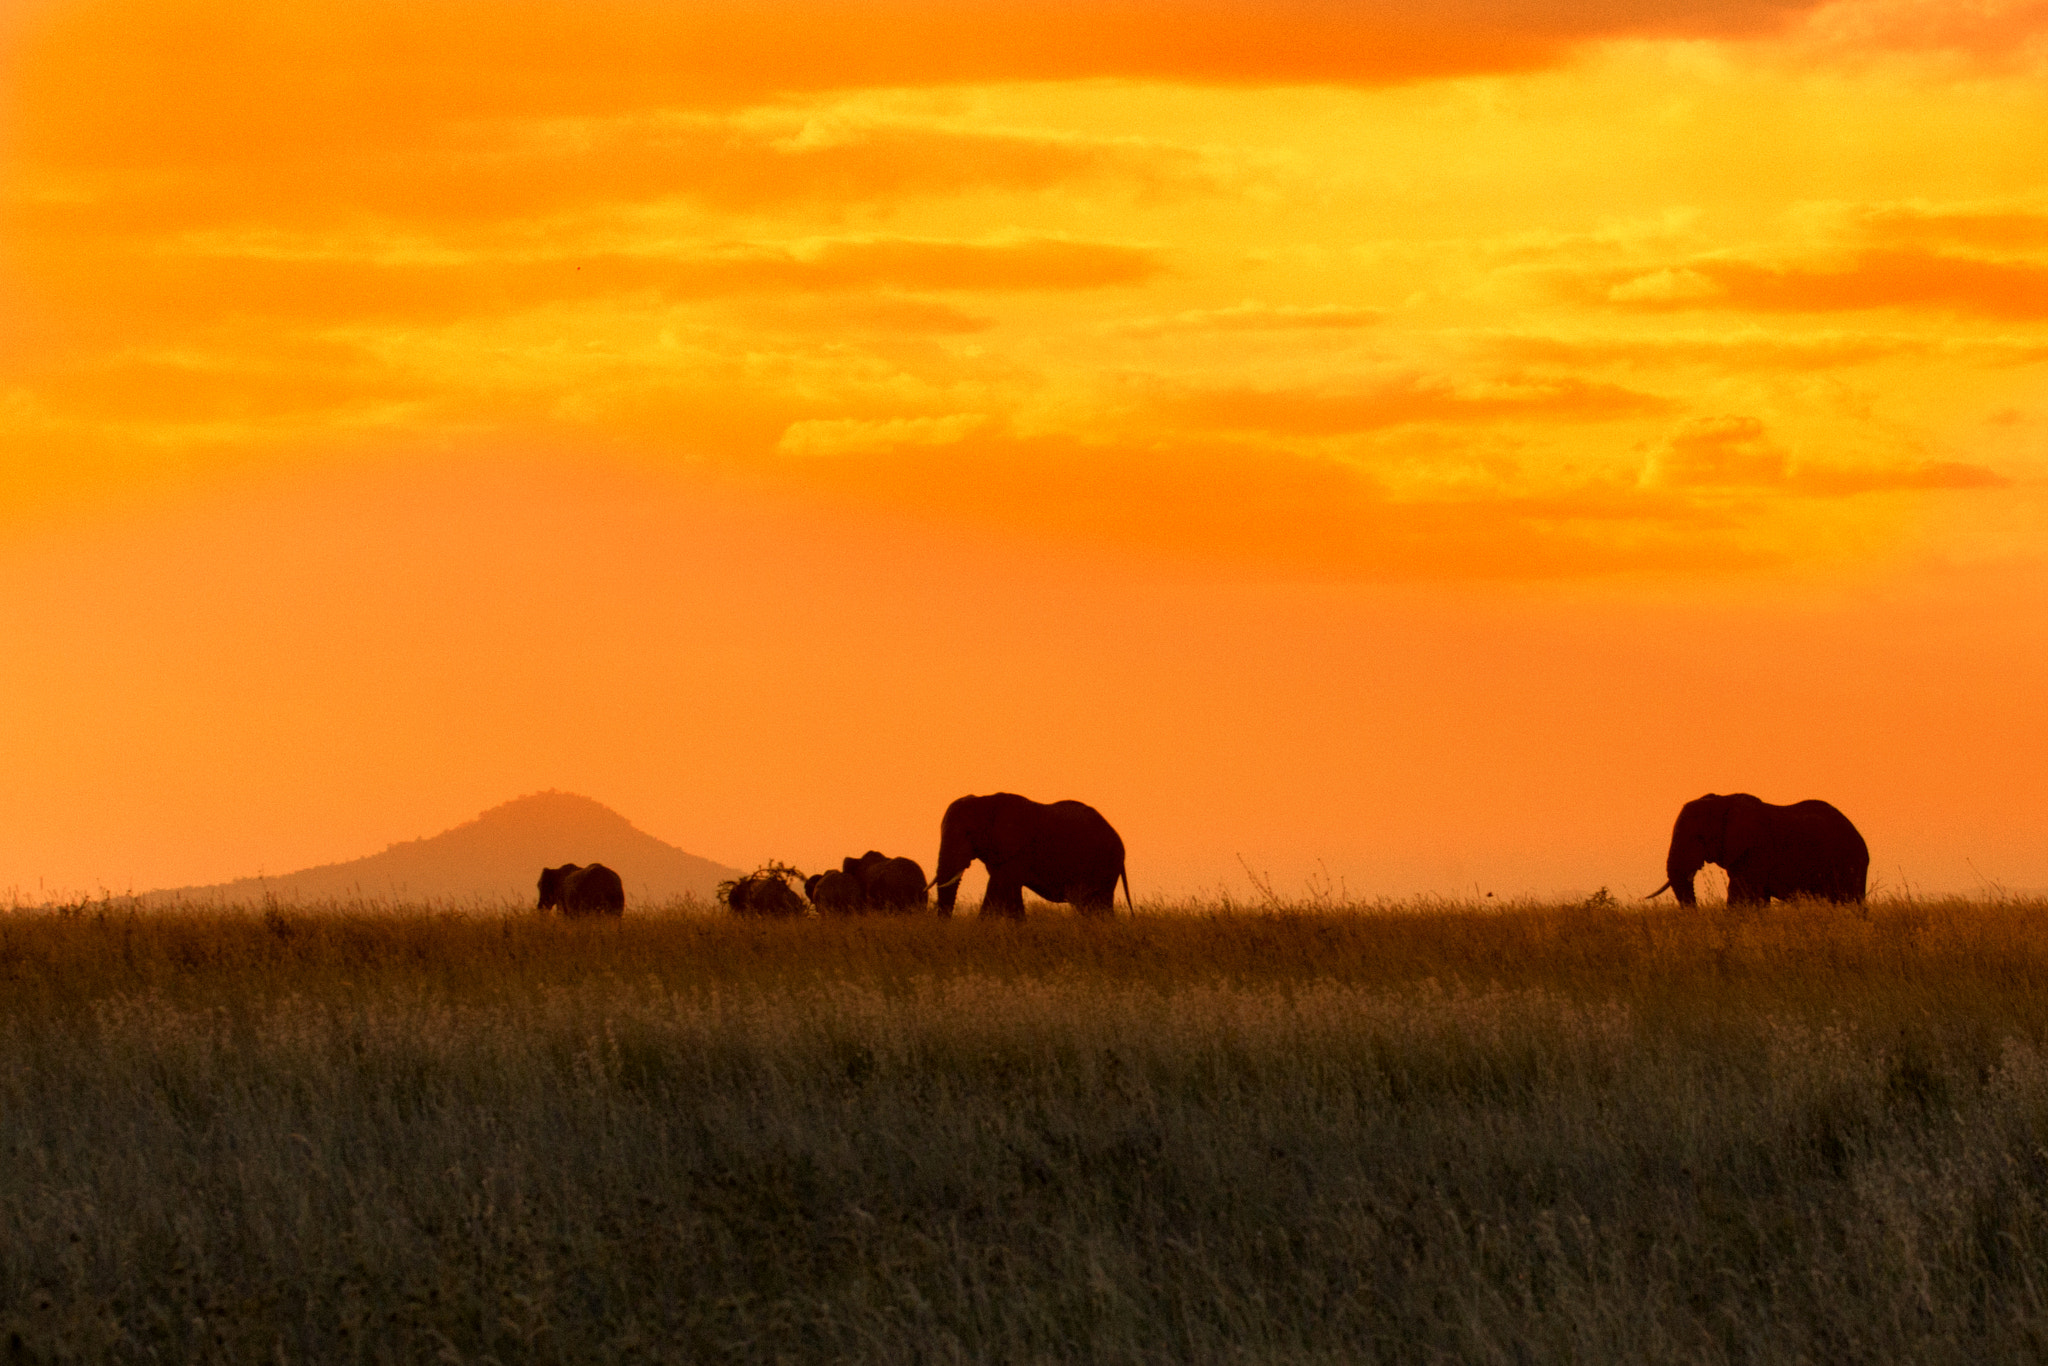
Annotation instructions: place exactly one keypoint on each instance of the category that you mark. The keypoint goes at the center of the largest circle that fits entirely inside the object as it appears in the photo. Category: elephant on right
(1064, 851)
(1805, 849)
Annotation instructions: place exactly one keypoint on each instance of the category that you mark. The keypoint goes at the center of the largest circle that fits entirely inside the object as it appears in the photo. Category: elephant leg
(1005, 896)
(1743, 892)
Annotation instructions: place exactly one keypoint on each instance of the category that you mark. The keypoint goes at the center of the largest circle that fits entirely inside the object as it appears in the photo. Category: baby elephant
(592, 890)
(763, 894)
(836, 893)
(888, 884)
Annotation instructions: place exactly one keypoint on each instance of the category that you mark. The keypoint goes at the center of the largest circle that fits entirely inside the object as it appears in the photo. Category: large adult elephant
(1805, 849)
(1064, 851)
(588, 890)
(888, 884)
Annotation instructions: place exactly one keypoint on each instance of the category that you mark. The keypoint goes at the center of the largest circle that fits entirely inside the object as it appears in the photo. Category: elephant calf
(590, 890)
(1805, 849)
(763, 894)
(836, 893)
(872, 882)
(888, 884)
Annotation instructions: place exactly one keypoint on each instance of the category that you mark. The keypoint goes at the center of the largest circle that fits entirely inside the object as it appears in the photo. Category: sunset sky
(1413, 444)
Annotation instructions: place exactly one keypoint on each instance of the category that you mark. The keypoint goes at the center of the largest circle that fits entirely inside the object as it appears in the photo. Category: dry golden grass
(1532, 1134)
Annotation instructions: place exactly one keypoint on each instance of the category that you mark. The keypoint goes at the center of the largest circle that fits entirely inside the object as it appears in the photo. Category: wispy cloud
(1255, 317)
(1891, 277)
(1735, 453)
(327, 282)
(386, 65)
(846, 436)
(1282, 511)
(2013, 225)
(1749, 349)
(1408, 399)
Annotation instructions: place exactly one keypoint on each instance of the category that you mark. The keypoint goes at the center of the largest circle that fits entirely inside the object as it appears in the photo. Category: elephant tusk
(1660, 891)
(934, 883)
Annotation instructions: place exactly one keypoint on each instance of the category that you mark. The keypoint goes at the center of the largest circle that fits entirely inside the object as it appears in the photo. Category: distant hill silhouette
(497, 856)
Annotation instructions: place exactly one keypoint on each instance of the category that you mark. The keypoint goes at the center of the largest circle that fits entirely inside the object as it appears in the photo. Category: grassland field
(1527, 1133)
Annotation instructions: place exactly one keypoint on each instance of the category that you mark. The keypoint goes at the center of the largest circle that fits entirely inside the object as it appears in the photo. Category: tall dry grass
(1539, 1133)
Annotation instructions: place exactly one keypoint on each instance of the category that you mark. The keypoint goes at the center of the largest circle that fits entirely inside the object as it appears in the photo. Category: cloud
(1733, 453)
(538, 174)
(1411, 399)
(1993, 33)
(1926, 475)
(320, 281)
(870, 314)
(1255, 317)
(846, 436)
(1275, 512)
(1749, 349)
(1718, 452)
(206, 79)
(2011, 226)
(1889, 277)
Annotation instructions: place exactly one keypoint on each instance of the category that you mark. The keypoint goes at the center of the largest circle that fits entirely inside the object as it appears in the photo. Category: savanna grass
(1539, 1133)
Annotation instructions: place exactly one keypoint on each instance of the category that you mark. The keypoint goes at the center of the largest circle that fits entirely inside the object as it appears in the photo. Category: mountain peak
(497, 856)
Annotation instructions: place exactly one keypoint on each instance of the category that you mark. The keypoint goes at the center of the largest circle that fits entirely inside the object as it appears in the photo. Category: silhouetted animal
(590, 890)
(763, 894)
(1805, 849)
(835, 893)
(888, 884)
(1064, 851)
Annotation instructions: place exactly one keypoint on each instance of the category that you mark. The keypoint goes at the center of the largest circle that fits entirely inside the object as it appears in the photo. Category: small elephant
(1805, 849)
(836, 893)
(590, 890)
(763, 894)
(1064, 851)
(888, 884)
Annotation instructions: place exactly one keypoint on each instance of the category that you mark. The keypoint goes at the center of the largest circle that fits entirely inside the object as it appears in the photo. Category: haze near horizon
(1418, 446)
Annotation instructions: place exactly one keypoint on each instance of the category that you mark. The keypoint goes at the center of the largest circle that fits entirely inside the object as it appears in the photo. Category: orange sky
(1426, 442)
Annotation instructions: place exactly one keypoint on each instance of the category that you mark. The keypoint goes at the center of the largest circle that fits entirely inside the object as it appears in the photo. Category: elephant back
(593, 890)
(895, 884)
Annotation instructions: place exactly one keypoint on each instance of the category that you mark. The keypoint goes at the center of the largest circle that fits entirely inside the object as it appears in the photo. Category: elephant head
(968, 831)
(551, 882)
(1710, 829)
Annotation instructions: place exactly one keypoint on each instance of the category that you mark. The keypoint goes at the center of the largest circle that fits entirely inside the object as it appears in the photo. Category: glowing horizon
(1275, 424)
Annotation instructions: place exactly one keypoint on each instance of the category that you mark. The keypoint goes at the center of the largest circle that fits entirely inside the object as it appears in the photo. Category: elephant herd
(874, 882)
(1067, 852)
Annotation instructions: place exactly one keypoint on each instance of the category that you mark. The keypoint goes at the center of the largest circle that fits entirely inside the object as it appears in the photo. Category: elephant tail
(1125, 874)
(1665, 888)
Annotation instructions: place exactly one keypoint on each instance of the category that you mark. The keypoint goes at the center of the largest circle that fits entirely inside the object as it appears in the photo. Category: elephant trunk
(956, 851)
(1681, 873)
